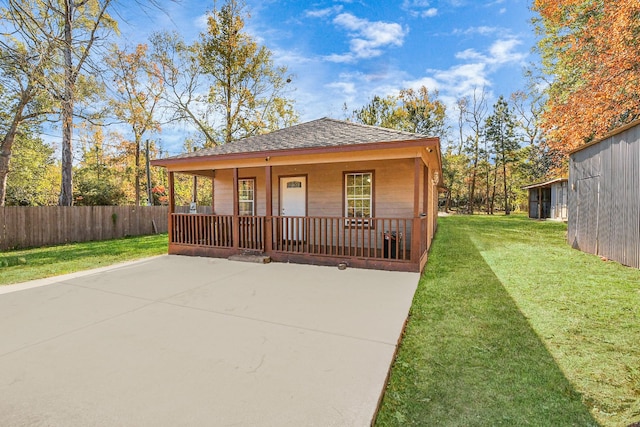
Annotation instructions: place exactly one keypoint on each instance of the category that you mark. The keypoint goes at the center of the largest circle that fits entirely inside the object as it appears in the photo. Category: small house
(548, 200)
(604, 196)
(324, 192)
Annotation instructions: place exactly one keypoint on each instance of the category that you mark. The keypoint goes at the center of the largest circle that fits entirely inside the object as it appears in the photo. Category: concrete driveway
(186, 341)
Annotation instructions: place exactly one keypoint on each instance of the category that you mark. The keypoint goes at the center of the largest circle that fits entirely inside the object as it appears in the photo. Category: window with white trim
(246, 197)
(358, 195)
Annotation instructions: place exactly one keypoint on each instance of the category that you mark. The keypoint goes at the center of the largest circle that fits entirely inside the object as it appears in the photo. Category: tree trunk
(137, 161)
(507, 210)
(447, 201)
(472, 189)
(493, 195)
(148, 168)
(66, 186)
(7, 144)
(5, 157)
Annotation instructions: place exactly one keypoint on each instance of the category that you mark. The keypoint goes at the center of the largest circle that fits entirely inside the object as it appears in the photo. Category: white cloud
(429, 13)
(367, 38)
(419, 8)
(502, 51)
(323, 13)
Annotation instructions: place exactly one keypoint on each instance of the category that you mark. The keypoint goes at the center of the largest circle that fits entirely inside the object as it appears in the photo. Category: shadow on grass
(469, 357)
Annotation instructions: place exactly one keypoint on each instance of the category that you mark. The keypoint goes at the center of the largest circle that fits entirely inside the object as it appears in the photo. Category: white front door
(293, 203)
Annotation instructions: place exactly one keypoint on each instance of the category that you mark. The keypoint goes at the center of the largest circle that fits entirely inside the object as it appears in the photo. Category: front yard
(510, 326)
(37, 263)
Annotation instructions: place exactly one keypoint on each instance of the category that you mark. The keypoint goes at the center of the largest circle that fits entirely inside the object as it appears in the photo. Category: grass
(29, 264)
(510, 326)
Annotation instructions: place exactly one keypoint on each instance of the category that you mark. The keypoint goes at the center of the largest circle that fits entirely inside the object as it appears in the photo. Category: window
(246, 197)
(358, 195)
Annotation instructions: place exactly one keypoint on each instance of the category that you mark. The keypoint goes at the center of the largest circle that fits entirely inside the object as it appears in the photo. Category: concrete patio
(197, 341)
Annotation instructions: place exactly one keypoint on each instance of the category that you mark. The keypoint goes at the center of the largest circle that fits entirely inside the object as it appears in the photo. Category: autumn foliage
(591, 51)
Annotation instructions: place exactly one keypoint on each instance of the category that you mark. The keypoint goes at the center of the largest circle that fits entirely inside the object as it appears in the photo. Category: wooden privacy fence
(23, 227)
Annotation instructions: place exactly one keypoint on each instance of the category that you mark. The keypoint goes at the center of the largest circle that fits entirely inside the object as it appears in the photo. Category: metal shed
(548, 199)
(604, 196)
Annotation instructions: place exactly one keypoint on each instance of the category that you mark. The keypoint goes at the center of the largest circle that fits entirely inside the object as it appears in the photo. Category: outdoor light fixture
(436, 178)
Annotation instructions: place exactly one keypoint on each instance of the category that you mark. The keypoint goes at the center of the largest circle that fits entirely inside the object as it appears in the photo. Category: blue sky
(347, 51)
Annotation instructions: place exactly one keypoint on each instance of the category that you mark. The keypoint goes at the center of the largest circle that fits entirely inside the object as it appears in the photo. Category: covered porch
(371, 206)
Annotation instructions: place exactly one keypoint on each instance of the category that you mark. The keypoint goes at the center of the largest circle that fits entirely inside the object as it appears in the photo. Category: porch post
(539, 203)
(415, 229)
(268, 232)
(172, 205)
(213, 192)
(236, 211)
(425, 209)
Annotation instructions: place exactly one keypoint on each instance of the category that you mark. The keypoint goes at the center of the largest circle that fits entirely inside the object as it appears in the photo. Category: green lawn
(510, 326)
(28, 264)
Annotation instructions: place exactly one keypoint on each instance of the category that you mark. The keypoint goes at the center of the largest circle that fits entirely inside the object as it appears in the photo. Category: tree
(184, 83)
(81, 21)
(138, 91)
(34, 173)
(99, 182)
(410, 111)
(591, 51)
(500, 132)
(422, 114)
(24, 62)
(475, 113)
(247, 89)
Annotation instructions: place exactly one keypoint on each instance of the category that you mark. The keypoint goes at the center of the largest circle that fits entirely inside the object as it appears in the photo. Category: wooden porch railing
(383, 238)
(377, 238)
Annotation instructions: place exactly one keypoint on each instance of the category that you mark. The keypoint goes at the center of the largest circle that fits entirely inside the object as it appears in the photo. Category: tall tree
(381, 112)
(247, 88)
(500, 132)
(184, 83)
(139, 87)
(423, 114)
(475, 114)
(591, 51)
(411, 111)
(24, 61)
(81, 21)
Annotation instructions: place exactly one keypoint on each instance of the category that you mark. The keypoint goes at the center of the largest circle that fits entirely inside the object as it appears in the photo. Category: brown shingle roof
(323, 132)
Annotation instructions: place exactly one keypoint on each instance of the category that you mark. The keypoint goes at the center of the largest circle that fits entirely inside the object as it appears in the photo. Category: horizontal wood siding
(393, 187)
(604, 198)
(23, 227)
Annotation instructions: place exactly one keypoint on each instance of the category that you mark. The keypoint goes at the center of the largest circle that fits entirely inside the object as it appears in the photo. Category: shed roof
(323, 132)
(614, 132)
(545, 184)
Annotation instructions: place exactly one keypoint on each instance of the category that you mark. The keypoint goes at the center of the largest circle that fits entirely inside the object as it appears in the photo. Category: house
(323, 192)
(548, 199)
(604, 196)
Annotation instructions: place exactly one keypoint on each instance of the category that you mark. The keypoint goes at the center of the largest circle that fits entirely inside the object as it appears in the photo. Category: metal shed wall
(604, 197)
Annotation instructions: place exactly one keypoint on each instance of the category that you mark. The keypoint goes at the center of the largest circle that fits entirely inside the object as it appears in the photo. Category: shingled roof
(323, 132)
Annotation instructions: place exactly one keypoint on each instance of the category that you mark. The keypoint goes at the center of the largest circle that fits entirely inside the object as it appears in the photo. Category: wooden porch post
(539, 203)
(425, 208)
(415, 229)
(268, 232)
(172, 205)
(213, 192)
(236, 211)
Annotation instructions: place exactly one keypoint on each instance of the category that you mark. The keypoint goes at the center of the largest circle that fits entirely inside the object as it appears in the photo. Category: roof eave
(422, 142)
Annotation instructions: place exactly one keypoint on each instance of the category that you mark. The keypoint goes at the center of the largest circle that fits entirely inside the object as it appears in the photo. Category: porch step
(251, 257)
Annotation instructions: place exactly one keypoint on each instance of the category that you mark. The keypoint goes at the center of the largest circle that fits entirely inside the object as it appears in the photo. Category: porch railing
(378, 238)
(385, 238)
